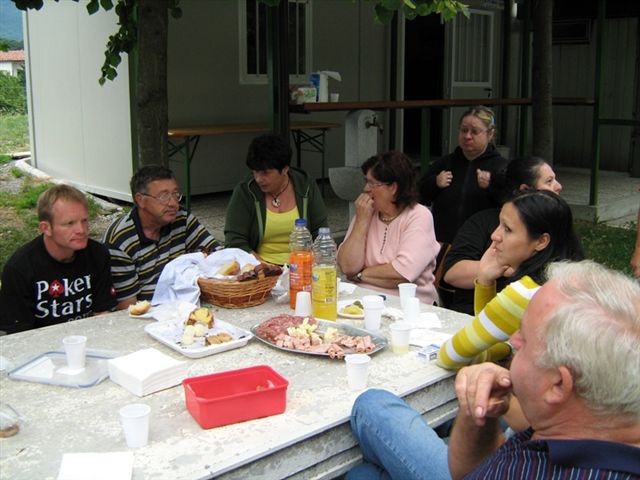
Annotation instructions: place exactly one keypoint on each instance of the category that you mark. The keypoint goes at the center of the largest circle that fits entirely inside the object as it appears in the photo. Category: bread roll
(231, 268)
(139, 307)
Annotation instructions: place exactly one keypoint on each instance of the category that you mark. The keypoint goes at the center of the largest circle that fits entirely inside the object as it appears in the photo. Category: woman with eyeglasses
(391, 239)
(465, 181)
(265, 205)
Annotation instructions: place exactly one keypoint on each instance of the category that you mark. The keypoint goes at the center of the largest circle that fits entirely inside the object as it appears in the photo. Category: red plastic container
(235, 396)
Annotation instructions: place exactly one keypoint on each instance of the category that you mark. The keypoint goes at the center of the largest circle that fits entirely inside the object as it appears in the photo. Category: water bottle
(324, 293)
(300, 260)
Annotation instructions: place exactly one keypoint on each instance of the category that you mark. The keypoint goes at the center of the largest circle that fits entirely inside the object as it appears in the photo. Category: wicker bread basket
(235, 294)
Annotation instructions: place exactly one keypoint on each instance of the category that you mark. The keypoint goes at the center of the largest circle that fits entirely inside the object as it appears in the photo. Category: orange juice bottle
(300, 260)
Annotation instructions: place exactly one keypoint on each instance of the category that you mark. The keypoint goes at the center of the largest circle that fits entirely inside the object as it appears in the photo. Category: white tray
(170, 334)
(47, 368)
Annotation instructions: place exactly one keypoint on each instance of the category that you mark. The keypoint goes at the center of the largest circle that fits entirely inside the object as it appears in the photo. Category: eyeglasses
(473, 131)
(372, 184)
(165, 197)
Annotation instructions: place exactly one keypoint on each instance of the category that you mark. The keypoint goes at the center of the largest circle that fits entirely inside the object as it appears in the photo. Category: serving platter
(170, 334)
(343, 329)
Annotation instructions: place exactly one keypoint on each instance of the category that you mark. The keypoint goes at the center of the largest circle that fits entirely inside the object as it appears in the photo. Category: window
(253, 41)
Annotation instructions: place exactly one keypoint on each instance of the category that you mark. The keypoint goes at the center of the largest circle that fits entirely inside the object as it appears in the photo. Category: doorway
(423, 80)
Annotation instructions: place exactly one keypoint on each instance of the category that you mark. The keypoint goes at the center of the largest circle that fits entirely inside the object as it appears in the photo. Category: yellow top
(275, 241)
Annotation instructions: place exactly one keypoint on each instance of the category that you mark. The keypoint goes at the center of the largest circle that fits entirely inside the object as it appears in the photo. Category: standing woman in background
(469, 179)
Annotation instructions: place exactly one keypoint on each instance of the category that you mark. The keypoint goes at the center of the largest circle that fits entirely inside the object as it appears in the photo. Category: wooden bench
(186, 139)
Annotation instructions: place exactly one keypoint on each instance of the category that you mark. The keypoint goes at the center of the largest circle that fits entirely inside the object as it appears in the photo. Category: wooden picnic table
(305, 133)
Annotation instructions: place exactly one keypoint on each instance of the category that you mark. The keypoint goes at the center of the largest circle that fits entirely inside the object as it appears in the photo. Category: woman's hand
(364, 207)
(484, 178)
(444, 178)
(490, 268)
(483, 391)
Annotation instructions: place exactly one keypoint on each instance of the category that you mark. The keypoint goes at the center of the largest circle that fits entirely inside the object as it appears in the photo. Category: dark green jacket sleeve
(241, 223)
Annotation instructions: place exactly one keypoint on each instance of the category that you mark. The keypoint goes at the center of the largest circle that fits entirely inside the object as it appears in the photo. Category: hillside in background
(10, 21)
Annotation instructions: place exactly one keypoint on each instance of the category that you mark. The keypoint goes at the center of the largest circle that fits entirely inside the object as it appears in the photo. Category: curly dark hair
(268, 151)
(396, 167)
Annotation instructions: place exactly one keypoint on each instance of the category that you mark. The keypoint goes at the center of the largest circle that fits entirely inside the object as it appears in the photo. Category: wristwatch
(358, 277)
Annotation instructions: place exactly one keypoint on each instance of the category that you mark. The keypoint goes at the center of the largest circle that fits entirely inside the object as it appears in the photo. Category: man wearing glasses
(153, 233)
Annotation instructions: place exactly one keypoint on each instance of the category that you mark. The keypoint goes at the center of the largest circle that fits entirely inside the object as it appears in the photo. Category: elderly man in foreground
(153, 233)
(575, 374)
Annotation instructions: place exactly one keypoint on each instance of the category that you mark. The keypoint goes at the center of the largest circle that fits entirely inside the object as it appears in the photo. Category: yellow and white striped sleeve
(497, 321)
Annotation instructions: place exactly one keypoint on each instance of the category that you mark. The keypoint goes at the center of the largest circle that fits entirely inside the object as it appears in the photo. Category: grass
(19, 219)
(14, 134)
(607, 245)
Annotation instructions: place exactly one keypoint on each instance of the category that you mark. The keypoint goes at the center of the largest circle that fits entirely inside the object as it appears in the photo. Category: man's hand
(444, 178)
(483, 391)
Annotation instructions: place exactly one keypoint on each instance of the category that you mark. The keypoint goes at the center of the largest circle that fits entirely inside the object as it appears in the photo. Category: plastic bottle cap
(324, 231)
(300, 222)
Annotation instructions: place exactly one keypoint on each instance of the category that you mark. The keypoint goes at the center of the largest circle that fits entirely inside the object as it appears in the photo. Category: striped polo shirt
(137, 261)
(523, 458)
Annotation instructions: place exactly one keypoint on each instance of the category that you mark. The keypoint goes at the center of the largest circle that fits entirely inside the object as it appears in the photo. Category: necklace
(388, 219)
(275, 201)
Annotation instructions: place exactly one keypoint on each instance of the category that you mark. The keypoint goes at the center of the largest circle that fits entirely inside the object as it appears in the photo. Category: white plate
(170, 334)
(344, 303)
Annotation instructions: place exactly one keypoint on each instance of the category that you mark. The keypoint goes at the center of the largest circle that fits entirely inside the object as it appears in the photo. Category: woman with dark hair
(460, 266)
(265, 205)
(467, 180)
(391, 238)
(535, 229)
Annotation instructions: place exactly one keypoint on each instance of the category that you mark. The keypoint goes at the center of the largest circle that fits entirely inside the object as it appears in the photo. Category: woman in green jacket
(264, 206)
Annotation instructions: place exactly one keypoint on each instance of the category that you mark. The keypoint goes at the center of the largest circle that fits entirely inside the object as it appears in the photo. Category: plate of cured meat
(316, 337)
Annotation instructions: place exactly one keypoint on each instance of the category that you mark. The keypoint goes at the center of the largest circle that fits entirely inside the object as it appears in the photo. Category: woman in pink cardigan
(391, 238)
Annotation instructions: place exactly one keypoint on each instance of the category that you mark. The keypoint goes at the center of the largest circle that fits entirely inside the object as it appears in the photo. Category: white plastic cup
(303, 304)
(373, 307)
(135, 424)
(334, 97)
(75, 348)
(411, 309)
(406, 290)
(357, 370)
(400, 333)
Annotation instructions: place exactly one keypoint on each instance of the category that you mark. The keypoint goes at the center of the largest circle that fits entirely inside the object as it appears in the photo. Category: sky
(10, 21)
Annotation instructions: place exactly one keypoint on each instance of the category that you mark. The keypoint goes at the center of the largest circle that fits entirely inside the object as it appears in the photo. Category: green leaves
(448, 9)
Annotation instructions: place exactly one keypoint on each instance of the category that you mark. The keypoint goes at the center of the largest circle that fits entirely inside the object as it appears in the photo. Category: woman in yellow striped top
(536, 228)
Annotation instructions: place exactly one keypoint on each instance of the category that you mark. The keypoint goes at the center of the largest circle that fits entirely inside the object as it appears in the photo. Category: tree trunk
(542, 79)
(151, 83)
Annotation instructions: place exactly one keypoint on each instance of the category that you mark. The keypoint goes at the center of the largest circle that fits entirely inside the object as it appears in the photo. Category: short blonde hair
(49, 197)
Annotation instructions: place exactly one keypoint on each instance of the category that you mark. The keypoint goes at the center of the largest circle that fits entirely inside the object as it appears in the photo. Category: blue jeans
(395, 440)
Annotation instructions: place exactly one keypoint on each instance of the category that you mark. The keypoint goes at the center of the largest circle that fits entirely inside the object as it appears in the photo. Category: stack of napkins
(147, 371)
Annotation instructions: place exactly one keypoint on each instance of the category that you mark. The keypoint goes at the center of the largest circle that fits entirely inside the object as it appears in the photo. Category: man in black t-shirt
(61, 275)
